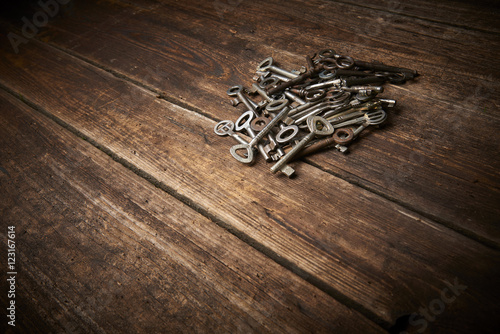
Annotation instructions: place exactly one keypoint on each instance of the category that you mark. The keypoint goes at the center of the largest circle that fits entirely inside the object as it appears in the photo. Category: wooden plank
(371, 253)
(100, 249)
(406, 43)
(424, 147)
(212, 59)
(477, 15)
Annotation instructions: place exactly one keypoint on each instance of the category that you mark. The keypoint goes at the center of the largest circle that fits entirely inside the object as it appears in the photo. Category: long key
(318, 110)
(318, 127)
(384, 68)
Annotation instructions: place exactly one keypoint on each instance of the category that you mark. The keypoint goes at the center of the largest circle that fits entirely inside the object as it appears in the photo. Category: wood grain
(364, 250)
(102, 250)
(477, 15)
(202, 55)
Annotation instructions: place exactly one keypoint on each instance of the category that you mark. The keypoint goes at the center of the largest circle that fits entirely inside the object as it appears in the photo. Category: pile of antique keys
(327, 103)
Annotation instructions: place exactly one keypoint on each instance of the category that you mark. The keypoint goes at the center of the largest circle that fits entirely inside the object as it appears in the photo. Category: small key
(225, 128)
(318, 127)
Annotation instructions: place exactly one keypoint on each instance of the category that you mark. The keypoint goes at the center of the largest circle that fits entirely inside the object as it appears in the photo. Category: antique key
(318, 127)
(283, 104)
(225, 128)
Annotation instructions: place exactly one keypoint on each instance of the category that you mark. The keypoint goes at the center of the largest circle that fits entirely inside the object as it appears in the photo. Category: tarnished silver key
(272, 149)
(249, 156)
(349, 108)
(226, 128)
(244, 123)
(372, 116)
(237, 91)
(267, 65)
(318, 127)
(294, 97)
(287, 133)
(370, 121)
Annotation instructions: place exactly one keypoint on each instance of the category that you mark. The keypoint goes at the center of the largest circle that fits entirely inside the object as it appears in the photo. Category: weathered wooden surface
(370, 229)
(438, 148)
(101, 249)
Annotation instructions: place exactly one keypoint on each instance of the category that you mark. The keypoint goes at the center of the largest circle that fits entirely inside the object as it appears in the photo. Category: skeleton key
(258, 124)
(267, 64)
(283, 104)
(225, 128)
(237, 91)
(340, 137)
(244, 123)
(371, 121)
(287, 133)
(372, 116)
(318, 127)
